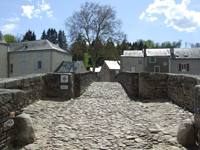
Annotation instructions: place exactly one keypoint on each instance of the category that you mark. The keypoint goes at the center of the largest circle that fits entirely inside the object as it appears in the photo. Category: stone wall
(53, 86)
(178, 88)
(16, 93)
(181, 90)
(129, 81)
(153, 85)
(82, 81)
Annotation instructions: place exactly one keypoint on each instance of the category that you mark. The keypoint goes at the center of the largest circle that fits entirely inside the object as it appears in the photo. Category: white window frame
(156, 67)
(23, 65)
(22, 55)
(39, 54)
(184, 67)
(37, 64)
(150, 61)
(11, 68)
(132, 69)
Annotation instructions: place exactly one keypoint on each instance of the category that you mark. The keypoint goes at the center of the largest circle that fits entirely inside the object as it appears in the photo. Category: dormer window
(185, 55)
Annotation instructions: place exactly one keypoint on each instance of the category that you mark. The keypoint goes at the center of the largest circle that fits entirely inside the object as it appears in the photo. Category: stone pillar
(197, 112)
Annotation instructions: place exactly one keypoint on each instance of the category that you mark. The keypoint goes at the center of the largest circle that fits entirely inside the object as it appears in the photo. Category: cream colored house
(109, 70)
(132, 60)
(3, 57)
(71, 67)
(32, 57)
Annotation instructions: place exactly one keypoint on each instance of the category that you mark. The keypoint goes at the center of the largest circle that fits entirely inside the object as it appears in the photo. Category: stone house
(185, 60)
(157, 60)
(109, 70)
(71, 67)
(3, 57)
(32, 57)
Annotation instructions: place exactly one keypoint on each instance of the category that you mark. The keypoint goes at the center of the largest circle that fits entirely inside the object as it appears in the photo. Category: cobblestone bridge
(105, 118)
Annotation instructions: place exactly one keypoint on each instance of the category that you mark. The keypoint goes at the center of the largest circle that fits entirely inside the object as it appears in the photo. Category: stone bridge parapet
(17, 93)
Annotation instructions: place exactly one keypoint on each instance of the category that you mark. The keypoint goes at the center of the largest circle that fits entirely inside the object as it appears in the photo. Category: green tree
(95, 23)
(52, 35)
(78, 48)
(44, 35)
(29, 36)
(110, 52)
(9, 38)
(62, 42)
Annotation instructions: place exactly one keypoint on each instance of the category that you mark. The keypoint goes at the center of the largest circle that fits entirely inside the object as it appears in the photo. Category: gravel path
(105, 118)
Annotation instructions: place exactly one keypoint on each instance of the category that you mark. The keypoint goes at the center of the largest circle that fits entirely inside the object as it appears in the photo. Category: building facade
(3, 57)
(109, 70)
(35, 57)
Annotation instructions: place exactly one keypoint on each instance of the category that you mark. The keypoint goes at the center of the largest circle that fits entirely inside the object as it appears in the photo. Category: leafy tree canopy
(9, 38)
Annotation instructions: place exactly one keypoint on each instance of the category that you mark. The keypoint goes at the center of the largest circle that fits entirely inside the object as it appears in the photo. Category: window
(156, 68)
(11, 68)
(11, 55)
(39, 65)
(23, 65)
(39, 54)
(132, 68)
(164, 63)
(140, 62)
(22, 55)
(152, 59)
(117, 71)
(183, 67)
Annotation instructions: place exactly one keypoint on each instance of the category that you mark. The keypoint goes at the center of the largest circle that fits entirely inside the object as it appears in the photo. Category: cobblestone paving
(105, 118)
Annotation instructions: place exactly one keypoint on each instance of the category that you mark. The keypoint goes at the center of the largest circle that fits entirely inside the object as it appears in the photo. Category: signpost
(64, 78)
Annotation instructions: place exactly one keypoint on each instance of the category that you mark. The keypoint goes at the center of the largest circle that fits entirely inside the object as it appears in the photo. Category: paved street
(105, 118)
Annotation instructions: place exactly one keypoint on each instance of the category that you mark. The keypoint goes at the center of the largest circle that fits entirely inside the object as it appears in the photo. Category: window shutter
(42, 64)
(180, 67)
(188, 68)
(36, 65)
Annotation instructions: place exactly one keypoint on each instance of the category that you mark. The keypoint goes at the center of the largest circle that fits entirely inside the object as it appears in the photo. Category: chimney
(172, 51)
(145, 48)
(122, 52)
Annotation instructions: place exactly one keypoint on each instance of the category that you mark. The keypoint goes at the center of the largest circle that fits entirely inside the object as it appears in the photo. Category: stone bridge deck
(105, 118)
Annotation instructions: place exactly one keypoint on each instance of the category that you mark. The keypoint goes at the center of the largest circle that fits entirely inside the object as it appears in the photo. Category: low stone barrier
(16, 93)
(129, 81)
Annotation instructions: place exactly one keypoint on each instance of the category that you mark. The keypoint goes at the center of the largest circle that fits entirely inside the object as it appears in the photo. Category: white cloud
(147, 18)
(44, 6)
(30, 12)
(16, 19)
(177, 15)
(9, 27)
(49, 14)
(27, 11)
(142, 16)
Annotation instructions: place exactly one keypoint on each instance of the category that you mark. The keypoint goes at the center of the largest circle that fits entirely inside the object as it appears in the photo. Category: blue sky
(157, 20)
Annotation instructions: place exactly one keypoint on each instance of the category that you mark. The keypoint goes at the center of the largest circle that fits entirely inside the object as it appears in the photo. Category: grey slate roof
(133, 53)
(68, 67)
(34, 45)
(186, 53)
(149, 52)
(158, 52)
(2, 40)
